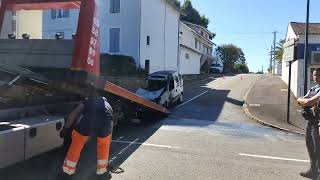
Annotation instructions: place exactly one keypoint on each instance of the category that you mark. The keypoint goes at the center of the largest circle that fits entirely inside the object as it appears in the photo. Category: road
(206, 137)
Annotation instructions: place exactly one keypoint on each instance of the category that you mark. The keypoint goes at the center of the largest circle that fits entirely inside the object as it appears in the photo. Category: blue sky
(249, 23)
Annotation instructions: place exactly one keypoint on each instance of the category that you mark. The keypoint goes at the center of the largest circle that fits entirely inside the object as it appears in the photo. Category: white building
(147, 30)
(296, 32)
(22, 22)
(195, 47)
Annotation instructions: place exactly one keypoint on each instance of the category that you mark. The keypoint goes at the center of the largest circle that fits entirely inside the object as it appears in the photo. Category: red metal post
(86, 54)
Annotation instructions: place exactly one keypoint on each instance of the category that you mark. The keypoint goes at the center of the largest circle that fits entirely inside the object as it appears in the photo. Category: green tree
(177, 3)
(193, 15)
(233, 58)
(279, 50)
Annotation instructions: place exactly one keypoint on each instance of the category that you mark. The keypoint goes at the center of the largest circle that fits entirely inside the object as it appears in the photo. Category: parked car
(164, 87)
(216, 68)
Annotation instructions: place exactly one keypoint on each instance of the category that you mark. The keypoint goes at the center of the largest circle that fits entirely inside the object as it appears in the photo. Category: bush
(241, 68)
(119, 65)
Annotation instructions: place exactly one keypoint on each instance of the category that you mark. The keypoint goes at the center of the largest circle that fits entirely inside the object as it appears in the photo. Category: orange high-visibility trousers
(73, 155)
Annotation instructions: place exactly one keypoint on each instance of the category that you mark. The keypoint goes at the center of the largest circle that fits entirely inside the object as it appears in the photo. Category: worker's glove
(64, 132)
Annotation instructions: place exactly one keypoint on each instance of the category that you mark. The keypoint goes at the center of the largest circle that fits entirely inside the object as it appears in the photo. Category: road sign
(290, 51)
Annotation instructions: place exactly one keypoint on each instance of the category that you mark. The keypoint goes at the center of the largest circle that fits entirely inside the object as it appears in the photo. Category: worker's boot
(105, 176)
(307, 174)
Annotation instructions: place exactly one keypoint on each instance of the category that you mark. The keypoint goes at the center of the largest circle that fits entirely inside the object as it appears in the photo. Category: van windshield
(154, 85)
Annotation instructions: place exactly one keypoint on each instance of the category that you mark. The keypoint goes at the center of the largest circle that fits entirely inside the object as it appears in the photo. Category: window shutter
(66, 13)
(117, 6)
(53, 14)
(114, 41)
(111, 6)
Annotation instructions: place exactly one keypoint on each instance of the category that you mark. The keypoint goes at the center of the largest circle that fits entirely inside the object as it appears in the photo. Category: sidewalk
(267, 103)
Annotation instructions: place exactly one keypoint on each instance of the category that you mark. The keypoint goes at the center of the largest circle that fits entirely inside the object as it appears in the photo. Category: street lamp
(306, 50)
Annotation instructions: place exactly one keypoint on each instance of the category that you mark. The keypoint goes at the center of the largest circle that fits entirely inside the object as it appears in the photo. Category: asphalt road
(206, 137)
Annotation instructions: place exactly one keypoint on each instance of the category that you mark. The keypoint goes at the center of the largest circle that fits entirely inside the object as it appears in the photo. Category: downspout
(14, 23)
(178, 55)
(139, 37)
(164, 37)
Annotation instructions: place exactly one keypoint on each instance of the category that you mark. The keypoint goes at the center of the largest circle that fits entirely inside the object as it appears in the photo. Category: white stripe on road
(192, 99)
(146, 144)
(276, 158)
(254, 105)
(120, 137)
(128, 146)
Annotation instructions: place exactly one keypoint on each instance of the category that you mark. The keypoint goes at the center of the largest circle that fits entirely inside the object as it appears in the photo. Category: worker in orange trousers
(91, 118)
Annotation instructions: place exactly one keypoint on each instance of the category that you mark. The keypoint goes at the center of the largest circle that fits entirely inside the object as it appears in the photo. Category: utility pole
(306, 50)
(274, 50)
(270, 66)
(262, 69)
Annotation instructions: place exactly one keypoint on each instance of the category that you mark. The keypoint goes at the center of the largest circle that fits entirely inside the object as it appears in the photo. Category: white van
(164, 87)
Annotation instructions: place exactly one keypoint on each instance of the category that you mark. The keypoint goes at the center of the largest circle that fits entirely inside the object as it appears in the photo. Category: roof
(201, 27)
(196, 32)
(299, 28)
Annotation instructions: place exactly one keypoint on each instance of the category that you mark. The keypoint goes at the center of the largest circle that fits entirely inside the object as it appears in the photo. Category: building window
(53, 14)
(148, 40)
(66, 13)
(114, 40)
(60, 13)
(187, 56)
(114, 6)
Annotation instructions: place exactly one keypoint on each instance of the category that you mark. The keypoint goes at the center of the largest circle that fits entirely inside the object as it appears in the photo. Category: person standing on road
(95, 119)
(310, 113)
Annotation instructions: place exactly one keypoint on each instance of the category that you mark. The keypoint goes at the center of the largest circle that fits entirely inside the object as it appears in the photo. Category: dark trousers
(313, 146)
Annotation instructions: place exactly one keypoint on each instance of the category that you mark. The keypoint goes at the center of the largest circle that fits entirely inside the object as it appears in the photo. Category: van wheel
(180, 98)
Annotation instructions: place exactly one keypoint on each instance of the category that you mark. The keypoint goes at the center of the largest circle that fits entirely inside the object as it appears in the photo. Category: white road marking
(192, 99)
(276, 158)
(120, 137)
(254, 105)
(128, 146)
(284, 90)
(147, 144)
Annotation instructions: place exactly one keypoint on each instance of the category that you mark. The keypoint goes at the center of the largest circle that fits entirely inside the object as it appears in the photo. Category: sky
(249, 23)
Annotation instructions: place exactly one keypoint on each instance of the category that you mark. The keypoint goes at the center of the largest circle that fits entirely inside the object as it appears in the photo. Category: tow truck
(33, 104)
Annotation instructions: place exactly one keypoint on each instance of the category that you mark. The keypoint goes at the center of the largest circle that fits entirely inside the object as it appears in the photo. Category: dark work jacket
(96, 119)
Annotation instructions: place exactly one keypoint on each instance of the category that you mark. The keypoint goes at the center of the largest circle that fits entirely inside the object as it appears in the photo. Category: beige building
(20, 22)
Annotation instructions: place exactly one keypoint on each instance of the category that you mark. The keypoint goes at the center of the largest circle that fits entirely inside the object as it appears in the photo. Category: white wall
(7, 25)
(29, 22)
(297, 76)
(187, 37)
(171, 38)
(297, 71)
(191, 65)
(278, 69)
(128, 20)
(158, 21)
(66, 25)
